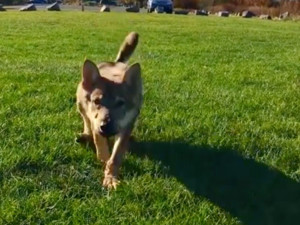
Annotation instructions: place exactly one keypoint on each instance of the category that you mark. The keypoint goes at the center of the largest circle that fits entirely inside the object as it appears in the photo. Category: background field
(218, 137)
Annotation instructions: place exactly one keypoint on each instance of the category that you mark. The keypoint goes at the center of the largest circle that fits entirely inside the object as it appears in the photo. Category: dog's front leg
(113, 164)
(101, 144)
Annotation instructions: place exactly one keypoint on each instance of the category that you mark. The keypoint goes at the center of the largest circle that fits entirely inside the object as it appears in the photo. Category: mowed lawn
(217, 141)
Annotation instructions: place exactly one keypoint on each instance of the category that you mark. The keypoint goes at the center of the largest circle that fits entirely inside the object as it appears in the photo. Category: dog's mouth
(108, 134)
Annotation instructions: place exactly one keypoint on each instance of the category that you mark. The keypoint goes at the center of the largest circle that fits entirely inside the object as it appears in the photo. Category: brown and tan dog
(109, 99)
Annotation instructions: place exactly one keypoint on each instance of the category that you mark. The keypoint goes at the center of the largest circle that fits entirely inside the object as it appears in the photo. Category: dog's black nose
(108, 129)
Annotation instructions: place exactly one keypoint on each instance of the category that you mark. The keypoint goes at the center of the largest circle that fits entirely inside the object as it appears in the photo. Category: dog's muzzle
(108, 129)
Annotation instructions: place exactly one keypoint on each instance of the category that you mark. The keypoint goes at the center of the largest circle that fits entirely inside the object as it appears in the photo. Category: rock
(159, 9)
(105, 8)
(265, 17)
(181, 12)
(1, 8)
(53, 7)
(134, 9)
(223, 13)
(284, 16)
(29, 7)
(247, 14)
(201, 12)
(239, 13)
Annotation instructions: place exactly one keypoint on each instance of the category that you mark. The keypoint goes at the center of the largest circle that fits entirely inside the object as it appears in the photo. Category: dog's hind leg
(86, 136)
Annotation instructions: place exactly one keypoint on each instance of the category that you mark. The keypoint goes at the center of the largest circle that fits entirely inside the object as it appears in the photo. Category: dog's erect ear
(90, 75)
(133, 78)
(127, 48)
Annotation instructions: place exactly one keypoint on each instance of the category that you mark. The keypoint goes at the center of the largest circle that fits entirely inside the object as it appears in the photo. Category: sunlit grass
(220, 84)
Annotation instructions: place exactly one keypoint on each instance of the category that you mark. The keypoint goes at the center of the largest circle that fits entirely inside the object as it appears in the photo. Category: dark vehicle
(108, 2)
(37, 2)
(167, 5)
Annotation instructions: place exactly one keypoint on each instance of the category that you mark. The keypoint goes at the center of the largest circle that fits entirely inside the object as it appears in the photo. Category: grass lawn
(217, 141)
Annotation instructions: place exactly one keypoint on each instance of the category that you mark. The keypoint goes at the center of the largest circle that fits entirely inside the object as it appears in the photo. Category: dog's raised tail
(127, 47)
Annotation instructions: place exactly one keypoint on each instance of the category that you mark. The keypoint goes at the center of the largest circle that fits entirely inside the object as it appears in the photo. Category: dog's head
(113, 91)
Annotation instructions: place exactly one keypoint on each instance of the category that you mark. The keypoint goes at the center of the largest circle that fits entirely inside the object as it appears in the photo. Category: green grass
(217, 141)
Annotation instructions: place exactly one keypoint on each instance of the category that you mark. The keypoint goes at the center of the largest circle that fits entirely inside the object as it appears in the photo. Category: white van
(167, 5)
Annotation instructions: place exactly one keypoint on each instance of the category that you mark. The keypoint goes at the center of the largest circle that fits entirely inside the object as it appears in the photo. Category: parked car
(108, 2)
(37, 1)
(166, 4)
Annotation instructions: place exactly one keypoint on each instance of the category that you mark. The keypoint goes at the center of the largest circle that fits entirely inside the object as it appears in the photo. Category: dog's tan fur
(109, 99)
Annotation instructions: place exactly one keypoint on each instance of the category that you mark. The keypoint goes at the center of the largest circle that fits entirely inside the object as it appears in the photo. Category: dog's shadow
(251, 191)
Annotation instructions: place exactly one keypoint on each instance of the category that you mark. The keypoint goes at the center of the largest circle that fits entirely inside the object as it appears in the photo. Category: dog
(109, 99)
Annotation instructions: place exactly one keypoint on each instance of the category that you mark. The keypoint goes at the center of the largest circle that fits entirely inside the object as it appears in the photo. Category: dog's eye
(97, 101)
(120, 102)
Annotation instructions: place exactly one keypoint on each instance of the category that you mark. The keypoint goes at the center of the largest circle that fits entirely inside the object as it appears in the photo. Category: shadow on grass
(250, 191)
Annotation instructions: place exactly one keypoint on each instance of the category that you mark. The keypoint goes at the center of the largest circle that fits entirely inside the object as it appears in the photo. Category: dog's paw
(84, 139)
(110, 182)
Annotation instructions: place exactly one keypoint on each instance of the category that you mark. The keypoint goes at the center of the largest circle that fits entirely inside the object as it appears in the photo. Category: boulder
(265, 17)
(223, 13)
(247, 14)
(105, 8)
(284, 16)
(29, 7)
(1, 8)
(134, 9)
(181, 12)
(201, 12)
(53, 7)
